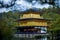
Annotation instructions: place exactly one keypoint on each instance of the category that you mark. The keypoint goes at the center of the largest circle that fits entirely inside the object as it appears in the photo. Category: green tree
(54, 18)
(7, 25)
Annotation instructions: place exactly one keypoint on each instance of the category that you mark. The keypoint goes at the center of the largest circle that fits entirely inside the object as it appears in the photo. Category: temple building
(32, 25)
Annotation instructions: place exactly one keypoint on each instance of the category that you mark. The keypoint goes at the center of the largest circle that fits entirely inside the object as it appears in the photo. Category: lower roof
(29, 26)
(31, 19)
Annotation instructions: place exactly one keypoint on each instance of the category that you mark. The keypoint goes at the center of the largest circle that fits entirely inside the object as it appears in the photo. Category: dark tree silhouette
(52, 2)
(29, 0)
(7, 5)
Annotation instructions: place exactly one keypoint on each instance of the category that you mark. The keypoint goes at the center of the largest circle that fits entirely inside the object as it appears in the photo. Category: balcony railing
(30, 33)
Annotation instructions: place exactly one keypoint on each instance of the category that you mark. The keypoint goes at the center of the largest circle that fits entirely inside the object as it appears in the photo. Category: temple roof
(20, 27)
(32, 19)
(34, 10)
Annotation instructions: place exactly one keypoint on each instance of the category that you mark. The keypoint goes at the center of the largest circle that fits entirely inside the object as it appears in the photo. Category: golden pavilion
(32, 25)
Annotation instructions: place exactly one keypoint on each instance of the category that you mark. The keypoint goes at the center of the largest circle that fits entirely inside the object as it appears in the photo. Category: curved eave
(29, 26)
(32, 19)
(32, 11)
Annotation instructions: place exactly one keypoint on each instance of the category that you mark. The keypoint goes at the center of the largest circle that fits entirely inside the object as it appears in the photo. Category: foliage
(54, 17)
(7, 25)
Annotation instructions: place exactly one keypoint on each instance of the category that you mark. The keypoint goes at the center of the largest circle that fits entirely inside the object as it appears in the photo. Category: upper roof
(34, 10)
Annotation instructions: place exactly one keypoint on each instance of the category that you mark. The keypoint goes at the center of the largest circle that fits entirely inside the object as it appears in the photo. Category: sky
(22, 5)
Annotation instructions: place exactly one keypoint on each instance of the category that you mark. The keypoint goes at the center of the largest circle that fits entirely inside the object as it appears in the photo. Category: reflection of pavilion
(32, 24)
